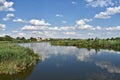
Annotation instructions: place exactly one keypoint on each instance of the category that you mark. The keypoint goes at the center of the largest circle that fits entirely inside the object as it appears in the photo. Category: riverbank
(15, 58)
(90, 43)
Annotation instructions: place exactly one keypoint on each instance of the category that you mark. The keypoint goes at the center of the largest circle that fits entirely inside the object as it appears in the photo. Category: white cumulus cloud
(18, 34)
(83, 21)
(69, 33)
(35, 25)
(59, 15)
(67, 28)
(2, 26)
(99, 3)
(30, 28)
(91, 34)
(8, 17)
(81, 29)
(39, 22)
(6, 6)
(82, 24)
(74, 3)
(19, 20)
(98, 28)
(113, 28)
(34, 28)
(108, 13)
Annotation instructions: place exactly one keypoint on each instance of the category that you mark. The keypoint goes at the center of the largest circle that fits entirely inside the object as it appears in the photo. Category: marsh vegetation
(14, 58)
(111, 44)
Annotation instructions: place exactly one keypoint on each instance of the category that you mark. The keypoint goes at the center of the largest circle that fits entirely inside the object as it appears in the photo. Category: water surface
(71, 63)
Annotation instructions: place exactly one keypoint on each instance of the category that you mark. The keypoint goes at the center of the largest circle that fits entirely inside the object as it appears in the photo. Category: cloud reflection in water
(83, 55)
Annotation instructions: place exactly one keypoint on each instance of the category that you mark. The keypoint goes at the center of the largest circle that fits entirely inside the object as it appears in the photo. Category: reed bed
(15, 58)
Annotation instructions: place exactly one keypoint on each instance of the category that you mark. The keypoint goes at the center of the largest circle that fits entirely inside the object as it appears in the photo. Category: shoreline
(15, 58)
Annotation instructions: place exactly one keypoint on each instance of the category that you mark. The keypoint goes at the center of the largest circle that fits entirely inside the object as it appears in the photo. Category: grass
(19, 76)
(14, 58)
(91, 44)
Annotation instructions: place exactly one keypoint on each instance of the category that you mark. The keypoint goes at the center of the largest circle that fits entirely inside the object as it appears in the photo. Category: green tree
(32, 39)
(8, 38)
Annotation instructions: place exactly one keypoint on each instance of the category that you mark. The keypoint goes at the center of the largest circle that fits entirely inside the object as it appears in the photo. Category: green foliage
(14, 58)
(113, 43)
(6, 38)
(18, 39)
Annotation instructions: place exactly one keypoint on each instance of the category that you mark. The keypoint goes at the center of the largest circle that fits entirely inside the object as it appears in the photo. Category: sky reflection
(83, 55)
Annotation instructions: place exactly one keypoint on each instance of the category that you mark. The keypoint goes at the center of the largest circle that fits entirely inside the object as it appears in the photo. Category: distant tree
(22, 38)
(112, 38)
(8, 38)
(117, 38)
(88, 39)
(18, 38)
(107, 39)
(92, 39)
(1, 38)
(33, 39)
(96, 39)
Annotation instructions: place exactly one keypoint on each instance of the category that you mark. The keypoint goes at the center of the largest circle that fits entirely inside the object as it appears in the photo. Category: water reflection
(46, 50)
(84, 55)
(101, 76)
(109, 66)
(76, 64)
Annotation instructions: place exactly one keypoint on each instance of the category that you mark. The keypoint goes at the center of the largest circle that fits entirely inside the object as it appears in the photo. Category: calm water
(70, 63)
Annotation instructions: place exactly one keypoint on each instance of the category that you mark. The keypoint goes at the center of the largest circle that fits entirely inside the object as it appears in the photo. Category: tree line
(17, 39)
(109, 43)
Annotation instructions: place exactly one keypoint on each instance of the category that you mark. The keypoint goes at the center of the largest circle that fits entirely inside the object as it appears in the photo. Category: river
(70, 63)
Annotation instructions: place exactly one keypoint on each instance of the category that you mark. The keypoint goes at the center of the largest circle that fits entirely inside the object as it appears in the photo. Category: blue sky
(60, 18)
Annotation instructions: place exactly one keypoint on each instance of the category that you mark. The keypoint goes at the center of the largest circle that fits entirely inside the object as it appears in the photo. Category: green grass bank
(15, 58)
(90, 44)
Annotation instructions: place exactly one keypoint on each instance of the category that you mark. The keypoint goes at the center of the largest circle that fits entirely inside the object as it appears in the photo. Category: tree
(8, 38)
(18, 38)
(22, 38)
(33, 39)
(1, 39)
